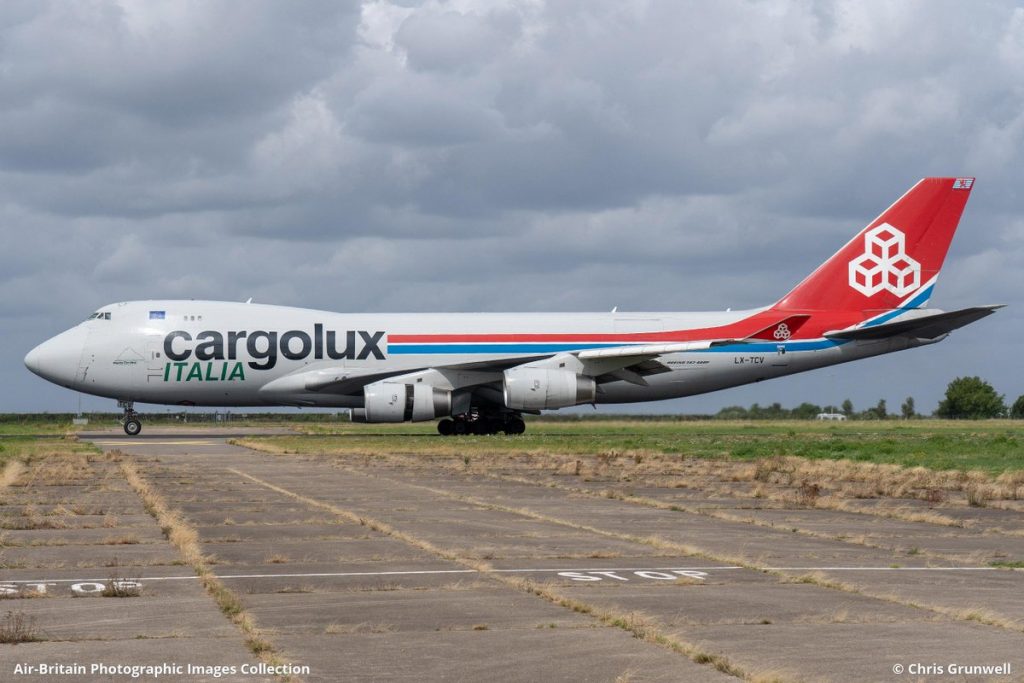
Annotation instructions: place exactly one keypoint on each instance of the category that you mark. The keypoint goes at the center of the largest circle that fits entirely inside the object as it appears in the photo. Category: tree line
(966, 398)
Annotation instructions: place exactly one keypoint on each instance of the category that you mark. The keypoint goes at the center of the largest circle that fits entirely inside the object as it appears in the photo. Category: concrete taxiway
(371, 572)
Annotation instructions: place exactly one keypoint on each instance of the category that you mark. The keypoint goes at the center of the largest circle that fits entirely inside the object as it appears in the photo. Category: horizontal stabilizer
(922, 327)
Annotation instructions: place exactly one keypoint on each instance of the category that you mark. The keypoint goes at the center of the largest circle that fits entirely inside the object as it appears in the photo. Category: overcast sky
(473, 155)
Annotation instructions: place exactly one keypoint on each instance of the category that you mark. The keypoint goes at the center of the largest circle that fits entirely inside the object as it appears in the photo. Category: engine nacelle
(389, 401)
(543, 389)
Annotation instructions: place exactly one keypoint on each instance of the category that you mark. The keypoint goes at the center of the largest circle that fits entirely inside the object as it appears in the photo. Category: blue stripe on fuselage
(756, 347)
(762, 347)
(496, 348)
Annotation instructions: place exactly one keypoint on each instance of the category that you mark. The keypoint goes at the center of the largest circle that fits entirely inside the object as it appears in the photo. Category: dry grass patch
(121, 540)
(977, 497)
(820, 579)
(902, 513)
(10, 473)
(18, 627)
(121, 587)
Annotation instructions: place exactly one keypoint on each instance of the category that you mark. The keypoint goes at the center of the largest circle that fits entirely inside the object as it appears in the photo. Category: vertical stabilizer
(894, 261)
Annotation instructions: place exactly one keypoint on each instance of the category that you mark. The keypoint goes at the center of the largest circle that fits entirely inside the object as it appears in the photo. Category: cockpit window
(100, 315)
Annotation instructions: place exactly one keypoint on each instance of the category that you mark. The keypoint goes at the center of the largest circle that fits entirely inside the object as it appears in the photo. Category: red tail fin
(894, 259)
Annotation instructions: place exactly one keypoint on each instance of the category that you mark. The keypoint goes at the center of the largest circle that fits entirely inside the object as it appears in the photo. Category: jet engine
(396, 402)
(529, 388)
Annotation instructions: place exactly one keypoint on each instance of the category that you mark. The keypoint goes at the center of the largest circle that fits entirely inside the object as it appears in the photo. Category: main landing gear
(475, 423)
(130, 420)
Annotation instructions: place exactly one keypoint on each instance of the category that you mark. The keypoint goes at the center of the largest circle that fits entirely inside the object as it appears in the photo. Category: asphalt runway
(364, 571)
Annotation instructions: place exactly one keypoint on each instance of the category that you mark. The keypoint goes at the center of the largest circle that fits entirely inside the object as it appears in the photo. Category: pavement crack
(185, 538)
(985, 617)
(713, 513)
(640, 626)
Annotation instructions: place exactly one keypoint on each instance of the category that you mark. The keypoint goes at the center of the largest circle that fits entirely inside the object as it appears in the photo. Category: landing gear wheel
(446, 427)
(515, 426)
(460, 428)
(488, 427)
(130, 420)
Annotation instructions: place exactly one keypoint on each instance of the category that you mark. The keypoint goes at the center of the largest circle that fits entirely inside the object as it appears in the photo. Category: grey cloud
(455, 41)
(473, 155)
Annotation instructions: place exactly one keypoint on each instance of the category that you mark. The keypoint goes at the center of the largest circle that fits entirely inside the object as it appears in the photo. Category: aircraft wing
(930, 326)
(629, 362)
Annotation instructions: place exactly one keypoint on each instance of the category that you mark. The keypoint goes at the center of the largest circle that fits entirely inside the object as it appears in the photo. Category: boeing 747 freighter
(480, 372)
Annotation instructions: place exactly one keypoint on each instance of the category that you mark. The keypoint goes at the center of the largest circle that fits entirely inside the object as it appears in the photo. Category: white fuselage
(211, 353)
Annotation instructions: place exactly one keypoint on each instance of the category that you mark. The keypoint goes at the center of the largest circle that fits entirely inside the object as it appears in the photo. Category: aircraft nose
(56, 359)
(33, 359)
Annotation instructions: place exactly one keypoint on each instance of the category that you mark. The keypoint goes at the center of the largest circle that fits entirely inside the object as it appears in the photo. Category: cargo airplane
(480, 372)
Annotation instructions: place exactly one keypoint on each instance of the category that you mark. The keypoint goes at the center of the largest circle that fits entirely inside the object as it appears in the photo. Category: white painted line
(411, 572)
(884, 569)
(552, 570)
(125, 442)
(266, 576)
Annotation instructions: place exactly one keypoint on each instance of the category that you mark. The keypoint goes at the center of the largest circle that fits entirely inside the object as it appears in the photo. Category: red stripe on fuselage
(818, 323)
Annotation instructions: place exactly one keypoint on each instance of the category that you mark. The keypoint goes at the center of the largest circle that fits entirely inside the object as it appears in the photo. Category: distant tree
(848, 408)
(876, 412)
(907, 409)
(1017, 411)
(733, 413)
(971, 398)
(805, 411)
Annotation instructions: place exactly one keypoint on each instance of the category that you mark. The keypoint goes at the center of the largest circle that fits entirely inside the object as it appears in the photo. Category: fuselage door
(154, 361)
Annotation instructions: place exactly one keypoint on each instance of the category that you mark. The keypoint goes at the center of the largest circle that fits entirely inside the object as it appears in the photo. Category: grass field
(991, 446)
(16, 452)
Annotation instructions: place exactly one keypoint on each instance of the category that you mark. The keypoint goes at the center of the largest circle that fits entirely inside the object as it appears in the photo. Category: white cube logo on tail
(885, 265)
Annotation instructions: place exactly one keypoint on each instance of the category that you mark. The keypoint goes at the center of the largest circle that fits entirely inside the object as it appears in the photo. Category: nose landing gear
(130, 420)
